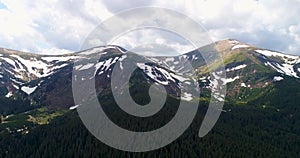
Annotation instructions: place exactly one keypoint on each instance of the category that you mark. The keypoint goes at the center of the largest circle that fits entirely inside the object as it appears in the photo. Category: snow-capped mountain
(281, 63)
(47, 80)
(19, 68)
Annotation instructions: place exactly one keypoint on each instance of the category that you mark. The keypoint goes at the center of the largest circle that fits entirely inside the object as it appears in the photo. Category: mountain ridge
(49, 76)
(260, 116)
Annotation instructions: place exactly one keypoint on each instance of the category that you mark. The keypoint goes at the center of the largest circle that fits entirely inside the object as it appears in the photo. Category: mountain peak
(103, 50)
(230, 44)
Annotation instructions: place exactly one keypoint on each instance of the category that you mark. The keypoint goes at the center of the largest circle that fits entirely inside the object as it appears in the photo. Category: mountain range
(251, 72)
(256, 78)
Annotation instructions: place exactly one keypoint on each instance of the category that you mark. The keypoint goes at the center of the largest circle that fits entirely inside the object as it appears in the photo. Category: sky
(58, 27)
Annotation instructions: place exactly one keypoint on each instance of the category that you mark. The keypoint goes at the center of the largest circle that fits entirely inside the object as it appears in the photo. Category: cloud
(267, 24)
(63, 25)
(152, 42)
(115, 6)
(48, 24)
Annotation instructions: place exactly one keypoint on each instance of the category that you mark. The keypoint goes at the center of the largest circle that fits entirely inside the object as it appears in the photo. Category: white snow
(98, 50)
(222, 110)
(277, 78)
(15, 81)
(77, 67)
(169, 59)
(214, 82)
(60, 66)
(73, 107)
(228, 80)
(59, 58)
(154, 59)
(9, 94)
(166, 74)
(243, 85)
(286, 69)
(87, 66)
(234, 41)
(152, 74)
(120, 49)
(236, 68)
(24, 68)
(28, 90)
(218, 96)
(239, 46)
(20, 130)
(186, 96)
(121, 66)
(179, 78)
(290, 59)
(15, 86)
(11, 62)
(34, 64)
(188, 82)
(275, 68)
(122, 57)
(106, 64)
(93, 50)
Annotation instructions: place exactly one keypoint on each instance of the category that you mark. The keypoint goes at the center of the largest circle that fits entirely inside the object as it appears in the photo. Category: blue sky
(55, 27)
(2, 6)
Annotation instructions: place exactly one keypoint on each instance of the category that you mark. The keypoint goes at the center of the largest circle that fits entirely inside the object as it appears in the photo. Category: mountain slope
(264, 82)
(251, 72)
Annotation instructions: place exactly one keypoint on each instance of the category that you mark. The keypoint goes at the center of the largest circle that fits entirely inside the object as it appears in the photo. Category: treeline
(244, 132)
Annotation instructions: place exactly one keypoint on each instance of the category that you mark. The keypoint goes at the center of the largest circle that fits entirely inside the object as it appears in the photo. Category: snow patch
(87, 66)
(229, 80)
(277, 78)
(122, 57)
(290, 59)
(239, 46)
(9, 94)
(234, 42)
(179, 78)
(243, 85)
(28, 90)
(11, 62)
(98, 50)
(60, 66)
(59, 58)
(73, 107)
(186, 96)
(150, 71)
(286, 69)
(236, 68)
(169, 59)
(33, 64)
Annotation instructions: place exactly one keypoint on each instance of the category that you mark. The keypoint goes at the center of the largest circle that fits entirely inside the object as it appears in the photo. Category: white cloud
(263, 23)
(63, 25)
(53, 51)
(53, 24)
(156, 41)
